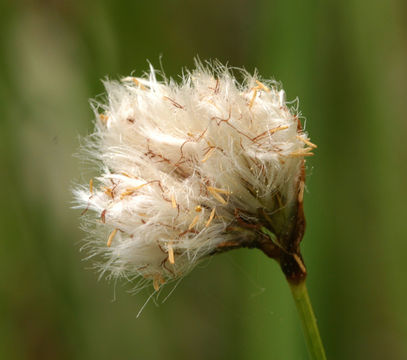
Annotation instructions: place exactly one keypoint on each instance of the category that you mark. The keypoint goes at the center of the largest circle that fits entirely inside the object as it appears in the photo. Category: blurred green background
(347, 63)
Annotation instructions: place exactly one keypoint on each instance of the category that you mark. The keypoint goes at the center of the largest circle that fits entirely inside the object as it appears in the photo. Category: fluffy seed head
(190, 169)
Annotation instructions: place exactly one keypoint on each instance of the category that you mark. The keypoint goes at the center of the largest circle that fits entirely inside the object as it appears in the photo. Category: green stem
(308, 321)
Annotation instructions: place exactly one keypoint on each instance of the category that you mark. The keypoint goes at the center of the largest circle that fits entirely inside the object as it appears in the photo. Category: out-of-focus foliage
(345, 60)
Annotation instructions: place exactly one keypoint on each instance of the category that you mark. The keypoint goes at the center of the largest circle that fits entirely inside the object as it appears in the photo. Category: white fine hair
(178, 161)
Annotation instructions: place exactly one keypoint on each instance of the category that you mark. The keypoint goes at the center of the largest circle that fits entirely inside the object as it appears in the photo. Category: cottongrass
(188, 170)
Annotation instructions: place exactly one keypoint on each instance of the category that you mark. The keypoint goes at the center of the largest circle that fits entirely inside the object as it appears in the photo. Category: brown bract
(287, 223)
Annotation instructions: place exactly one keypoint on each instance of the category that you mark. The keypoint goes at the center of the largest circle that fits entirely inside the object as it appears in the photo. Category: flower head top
(192, 169)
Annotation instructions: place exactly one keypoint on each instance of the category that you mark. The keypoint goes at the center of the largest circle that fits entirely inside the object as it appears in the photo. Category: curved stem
(308, 321)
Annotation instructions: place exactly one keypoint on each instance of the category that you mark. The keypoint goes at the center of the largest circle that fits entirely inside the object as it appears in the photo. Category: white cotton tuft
(188, 170)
